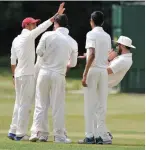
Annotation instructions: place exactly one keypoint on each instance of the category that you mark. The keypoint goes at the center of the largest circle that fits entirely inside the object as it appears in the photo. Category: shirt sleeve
(13, 56)
(41, 48)
(40, 29)
(74, 55)
(110, 45)
(117, 65)
(90, 40)
(38, 60)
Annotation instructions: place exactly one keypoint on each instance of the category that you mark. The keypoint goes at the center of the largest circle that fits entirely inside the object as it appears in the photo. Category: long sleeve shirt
(23, 49)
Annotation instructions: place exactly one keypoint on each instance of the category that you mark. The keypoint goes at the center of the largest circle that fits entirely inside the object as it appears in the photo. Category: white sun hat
(125, 41)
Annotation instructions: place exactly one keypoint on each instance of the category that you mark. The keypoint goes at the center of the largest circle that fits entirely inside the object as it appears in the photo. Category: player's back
(102, 46)
(58, 52)
(24, 50)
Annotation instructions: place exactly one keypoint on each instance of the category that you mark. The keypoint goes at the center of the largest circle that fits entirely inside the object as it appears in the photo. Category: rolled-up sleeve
(13, 56)
(74, 56)
(90, 40)
(40, 29)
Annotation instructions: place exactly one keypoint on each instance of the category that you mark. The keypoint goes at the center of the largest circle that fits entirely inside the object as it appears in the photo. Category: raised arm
(42, 27)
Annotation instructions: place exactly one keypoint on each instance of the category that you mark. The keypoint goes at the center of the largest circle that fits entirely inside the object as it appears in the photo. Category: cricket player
(95, 82)
(121, 60)
(119, 64)
(57, 51)
(23, 50)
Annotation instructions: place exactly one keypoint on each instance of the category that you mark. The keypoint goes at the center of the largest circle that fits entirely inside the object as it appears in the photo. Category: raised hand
(61, 8)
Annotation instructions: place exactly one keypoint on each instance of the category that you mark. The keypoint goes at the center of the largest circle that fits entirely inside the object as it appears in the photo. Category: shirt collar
(63, 30)
(126, 55)
(25, 30)
(97, 29)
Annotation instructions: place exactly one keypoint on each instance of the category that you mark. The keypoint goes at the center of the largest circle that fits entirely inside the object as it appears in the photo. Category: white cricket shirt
(23, 49)
(120, 65)
(97, 38)
(57, 48)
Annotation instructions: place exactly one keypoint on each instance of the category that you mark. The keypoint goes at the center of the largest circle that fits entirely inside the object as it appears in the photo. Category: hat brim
(36, 21)
(132, 46)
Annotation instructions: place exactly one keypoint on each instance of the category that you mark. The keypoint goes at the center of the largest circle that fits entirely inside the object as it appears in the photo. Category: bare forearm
(89, 63)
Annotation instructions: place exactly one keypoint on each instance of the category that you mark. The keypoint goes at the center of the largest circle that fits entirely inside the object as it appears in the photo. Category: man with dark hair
(57, 51)
(121, 59)
(98, 18)
(95, 82)
(120, 62)
(23, 50)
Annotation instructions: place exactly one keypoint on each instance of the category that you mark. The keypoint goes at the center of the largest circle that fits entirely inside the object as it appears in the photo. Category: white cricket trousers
(24, 88)
(95, 103)
(50, 92)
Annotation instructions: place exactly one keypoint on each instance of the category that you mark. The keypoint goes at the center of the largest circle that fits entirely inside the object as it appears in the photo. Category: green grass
(125, 119)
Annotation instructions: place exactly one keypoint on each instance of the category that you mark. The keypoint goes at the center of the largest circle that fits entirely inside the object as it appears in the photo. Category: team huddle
(44, 82)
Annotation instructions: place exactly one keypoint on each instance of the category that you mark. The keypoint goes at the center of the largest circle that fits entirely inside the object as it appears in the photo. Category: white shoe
(68, 140)
(62, 140)
(34, 138)
(43, 138)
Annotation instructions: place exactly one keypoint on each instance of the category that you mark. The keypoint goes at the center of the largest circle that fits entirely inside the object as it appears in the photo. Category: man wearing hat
(119, 62)
(23, 50)
(95, 82)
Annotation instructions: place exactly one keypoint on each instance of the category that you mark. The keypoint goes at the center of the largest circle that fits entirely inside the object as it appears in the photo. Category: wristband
(56, 15)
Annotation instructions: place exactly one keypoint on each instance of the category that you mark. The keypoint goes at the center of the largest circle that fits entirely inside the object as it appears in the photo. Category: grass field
(125, 119)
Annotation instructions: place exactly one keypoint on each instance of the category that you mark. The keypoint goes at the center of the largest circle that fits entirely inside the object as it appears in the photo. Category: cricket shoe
(109, 133)
(11, 136)
(34, 138)
(22, 138)
(62, 140)
(87, 141)
(99, 140)
(43, 138)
